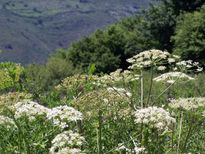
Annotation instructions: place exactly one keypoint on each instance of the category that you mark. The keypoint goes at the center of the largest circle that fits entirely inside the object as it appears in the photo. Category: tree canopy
(189, 39)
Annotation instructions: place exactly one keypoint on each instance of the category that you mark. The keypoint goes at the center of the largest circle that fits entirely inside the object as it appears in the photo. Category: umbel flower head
(7, 121)
(75, 81)
(13, 98)
(60, 116)
(188, 65)
(67, 142)
(188, 103)
(171, 77)
(149, 58)
(118, 76)
(110, 101)
(29, 108)
(154, 117)
(137, 149)
(63, 114)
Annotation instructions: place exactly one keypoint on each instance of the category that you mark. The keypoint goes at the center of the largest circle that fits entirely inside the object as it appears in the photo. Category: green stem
(21, 133)
(141, 93)
(141, 99)
(173, 137)
(100, 133)
(188, 134)
(180, 129)
(166, 89)
(141, 133)
(150, 88)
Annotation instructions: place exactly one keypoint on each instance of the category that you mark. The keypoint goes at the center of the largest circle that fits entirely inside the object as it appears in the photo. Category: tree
(160, 23)
(179, 6)
(161, 19)
(189, 39)
(46, 76)
(103, 48)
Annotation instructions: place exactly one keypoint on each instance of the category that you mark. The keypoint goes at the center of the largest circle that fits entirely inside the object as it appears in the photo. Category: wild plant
(139, 110)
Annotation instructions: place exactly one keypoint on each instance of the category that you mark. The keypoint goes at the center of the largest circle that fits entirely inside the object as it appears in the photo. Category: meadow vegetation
(156, 106)
(112, 92)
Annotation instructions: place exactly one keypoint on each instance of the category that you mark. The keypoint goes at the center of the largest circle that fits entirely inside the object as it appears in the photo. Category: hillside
(31, 30)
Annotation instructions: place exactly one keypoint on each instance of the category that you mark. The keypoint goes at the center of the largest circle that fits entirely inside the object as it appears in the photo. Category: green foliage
(102, 48)
(10, 75)
(161, 19)
(46, 76)
(189, 39)
(109, 105)
(160, 24)
(110, 48)
(179, 6)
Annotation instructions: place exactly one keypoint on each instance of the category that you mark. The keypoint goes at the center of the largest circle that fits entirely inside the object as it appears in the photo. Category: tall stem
(188, 134)
(100, 133)
(21, 133)
(167, 88)
(180, 129)
(173, 137)
(141, 93)
(150, 88)
(141, 133)
(141, 99)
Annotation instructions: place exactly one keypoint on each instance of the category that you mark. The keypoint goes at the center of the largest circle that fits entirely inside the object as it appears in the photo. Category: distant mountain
(30, 30)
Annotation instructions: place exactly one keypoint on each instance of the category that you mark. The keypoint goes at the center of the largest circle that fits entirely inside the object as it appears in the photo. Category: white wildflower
(187, 103)
(171, 60)
(161, 68)
(8, 122)
(154, 117)
(130, 60)
(105, 100)
(63, 114)
(170, 81)
(29, 109)
(67, 142)
(137, 150)
(147, 58)
(176, 56)
(189, 65)
(203, 113)
(199, 69)
(117, 76)
(121, 91)
(171, 77)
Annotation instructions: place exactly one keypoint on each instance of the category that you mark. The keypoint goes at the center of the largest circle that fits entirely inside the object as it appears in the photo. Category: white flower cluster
(154, 117)
(75, 81)
(65, 143)
(7, 121)
(117, 76)
(125, 75)
(121, 91)
(69, 151)
(161, 68)
(62, 114)
(171, 77)
(148, 58)
(137, 150)
(30, 109)
(188, 103)
(188, 64)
